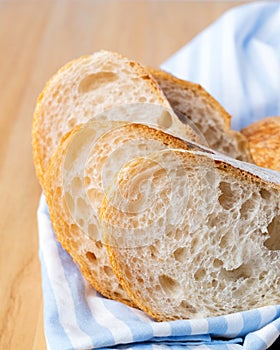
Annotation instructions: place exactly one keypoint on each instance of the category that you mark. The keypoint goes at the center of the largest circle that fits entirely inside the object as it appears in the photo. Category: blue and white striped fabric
(77, 317)
(237, 59)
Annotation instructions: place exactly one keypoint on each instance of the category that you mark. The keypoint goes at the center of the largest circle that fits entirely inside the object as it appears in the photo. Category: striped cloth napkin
(237, 59)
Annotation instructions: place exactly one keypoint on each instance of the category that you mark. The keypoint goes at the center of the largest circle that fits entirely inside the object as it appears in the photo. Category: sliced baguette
(194, 105)
(214, 226)
(83, 89)
(87, 157)
(264, 142)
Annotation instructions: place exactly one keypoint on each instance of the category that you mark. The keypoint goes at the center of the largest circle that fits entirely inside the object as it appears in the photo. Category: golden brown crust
(67, 234)
(264, 142)
(37, 134)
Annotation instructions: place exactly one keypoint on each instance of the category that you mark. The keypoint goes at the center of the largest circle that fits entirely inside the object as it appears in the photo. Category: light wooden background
(36, 38)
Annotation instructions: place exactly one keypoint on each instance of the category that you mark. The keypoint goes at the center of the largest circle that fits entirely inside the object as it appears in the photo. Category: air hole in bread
(178, 234)
(262, 276)
(194, 244)
(170, 231)
(108, 271)
(273, 242)
(98, 244)
(199, 274)
(225, 240)
(82, 206)
(74, 152)
(247, 208)
(212, 220)
(265, 194)
(139, 280)
(185, 305)
(160, 221)
(95, 196)
(76, 185)
(164, 120)
(217, 263)
(71, 123)
(91, 257)
(55, 94)
(180, 254)
(214, 283)
(87, 180)
(81, 222)
(93, 232)
(153, 251)
(243, 271)
(226, 198)
(158, 288)
(142, 99)
(96, 81)
(169, 285)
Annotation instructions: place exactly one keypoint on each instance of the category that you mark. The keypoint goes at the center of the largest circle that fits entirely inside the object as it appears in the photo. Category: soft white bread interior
(197, 107)
(87, 159)
(84, 88)
(192, 235)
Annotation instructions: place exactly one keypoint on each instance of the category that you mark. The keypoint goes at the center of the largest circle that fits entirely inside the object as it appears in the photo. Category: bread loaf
(264, 141)
(212, 224)
(78, 172)
(195, 106)
(83, 89)
(86, 148)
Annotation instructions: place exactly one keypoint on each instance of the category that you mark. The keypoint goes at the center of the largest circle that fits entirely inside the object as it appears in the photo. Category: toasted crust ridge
(264, 142)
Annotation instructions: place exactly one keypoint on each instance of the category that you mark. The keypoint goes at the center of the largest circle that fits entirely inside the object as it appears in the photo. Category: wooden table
(36, 38)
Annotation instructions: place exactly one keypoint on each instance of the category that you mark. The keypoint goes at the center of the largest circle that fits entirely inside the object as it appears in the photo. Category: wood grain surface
(36, 38)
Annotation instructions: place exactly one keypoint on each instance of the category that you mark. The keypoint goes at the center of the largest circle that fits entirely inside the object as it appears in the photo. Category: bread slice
(264, 142)
(83, 89)
(193, 235)
(195, 106)
(87, 159)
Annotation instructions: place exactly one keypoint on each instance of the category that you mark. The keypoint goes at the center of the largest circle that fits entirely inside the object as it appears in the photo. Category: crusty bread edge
(198, 90)
(58, 222)
(36, 134)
